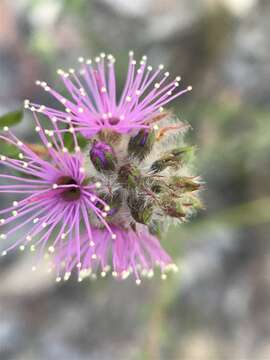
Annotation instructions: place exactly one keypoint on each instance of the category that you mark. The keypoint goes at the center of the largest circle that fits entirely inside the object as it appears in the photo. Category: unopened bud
(173, 158)
(139, 209)
(141, 144)
(183, 183)
(173, 207)
(103, 157)
(129, 176)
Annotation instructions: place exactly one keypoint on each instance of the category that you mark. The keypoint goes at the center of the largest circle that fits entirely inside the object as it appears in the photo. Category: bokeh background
(217, 307)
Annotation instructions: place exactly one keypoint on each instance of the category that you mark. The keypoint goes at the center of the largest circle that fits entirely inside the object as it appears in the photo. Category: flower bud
(129, 176)
(103, 157)
(173, 207)
(183, 183)
(141, 144)
(139, 209)
(173, 158)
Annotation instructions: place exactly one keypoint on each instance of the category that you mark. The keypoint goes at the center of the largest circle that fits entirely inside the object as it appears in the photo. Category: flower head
(128, 252)
(134, 149)
(56, 196)
(93, 105)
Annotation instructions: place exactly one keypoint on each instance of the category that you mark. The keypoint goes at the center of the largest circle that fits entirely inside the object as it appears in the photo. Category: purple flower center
(70, 193)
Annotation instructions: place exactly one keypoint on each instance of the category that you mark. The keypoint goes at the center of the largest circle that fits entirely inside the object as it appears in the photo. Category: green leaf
(69, 143)
(11, 118)
(8, 149)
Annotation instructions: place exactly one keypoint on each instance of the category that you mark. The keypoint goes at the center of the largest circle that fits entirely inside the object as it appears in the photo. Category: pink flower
(127, 252)
(93, 105)
(56, 197)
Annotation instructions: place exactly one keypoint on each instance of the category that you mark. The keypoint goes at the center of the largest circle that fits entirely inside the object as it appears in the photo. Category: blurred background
(217, 307)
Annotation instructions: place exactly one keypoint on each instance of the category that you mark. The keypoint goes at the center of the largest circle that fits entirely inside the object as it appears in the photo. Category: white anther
(155, 127)
(138, 281)
(55, 186)
(114, 236)
(22, 247)
(80, 110)
(161, 67)
(107, 208)
(29, 238)
(189, 88)
(98, 184)
(2, 221)
(77, 149)
(54, 119)
(37, 129)
(131, 53)
(32, 248)
(15, 203)
(81, 59)
(49, 145)
(44, 224)
(25, 165)
(36, 220)
(92, 244)
(26, 104)
(4, 253)
(3, 157)
(149, 68)
(3, 236)
(97, 59)
(67, 276)
(82, 170)
(157, 85)
(21, 156)
(19, 143)
(65, 150)
(51, 249)
(58, 279)
(163, 276)
(103, 89)
(14, 213)
(128, 98)
(167, 74)
(138, 92)
(178, 78)
(63, 236)
(71, 71)
(94, 256)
